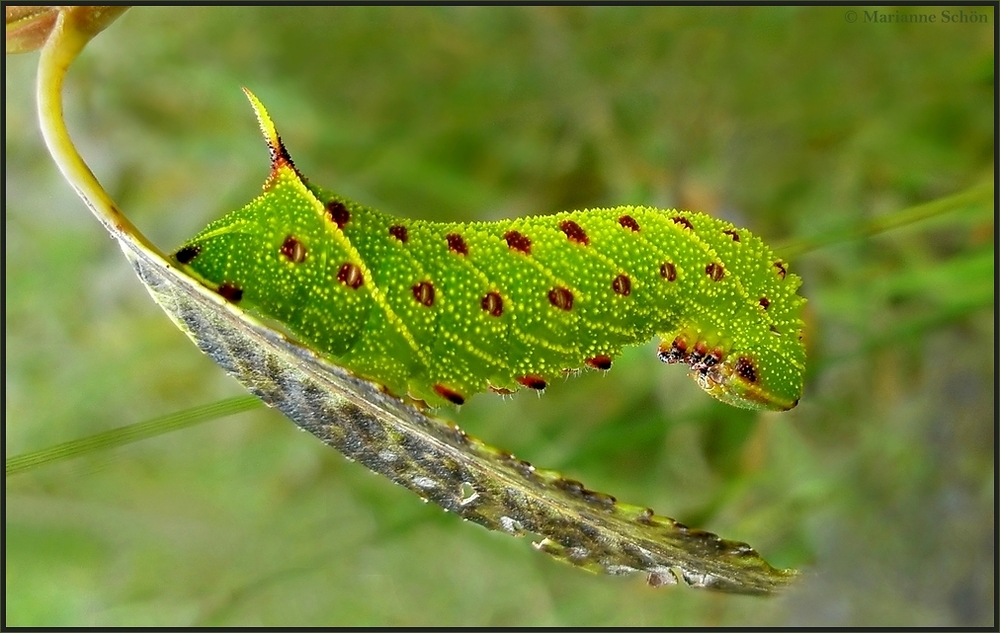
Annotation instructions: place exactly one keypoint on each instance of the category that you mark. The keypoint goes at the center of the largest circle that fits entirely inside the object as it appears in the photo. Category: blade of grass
(129, 434)
(981, 194)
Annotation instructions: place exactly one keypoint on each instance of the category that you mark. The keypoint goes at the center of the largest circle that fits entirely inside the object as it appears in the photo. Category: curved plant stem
(65, 42)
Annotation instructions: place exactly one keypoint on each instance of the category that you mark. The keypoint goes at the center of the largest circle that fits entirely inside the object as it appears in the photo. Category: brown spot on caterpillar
(782, 271)
(668, 271)
(599, 362)
(338, 213)
(622, 285)
(351, 276)
(187, 254)
(713, 358)
(679, 219)
(399, 232)
(230, 292)
(676, 353)
(733, 234)
(423, 292)
(492, 304)
(764, 302)
(715, 271)
(746, 370)
(518, 242)
(533, 382)
(451, 396)
(629, 222)
(294, 250)
(680, 343)
(561, 298)
(456, 244)
(574, 232)
(699, 351)
(774, 330)
(503, 391)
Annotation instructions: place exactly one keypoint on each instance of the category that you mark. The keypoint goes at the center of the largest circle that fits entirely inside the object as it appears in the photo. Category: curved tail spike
(279, 155)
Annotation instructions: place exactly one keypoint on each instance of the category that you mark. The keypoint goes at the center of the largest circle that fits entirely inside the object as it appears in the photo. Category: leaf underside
(439, 462)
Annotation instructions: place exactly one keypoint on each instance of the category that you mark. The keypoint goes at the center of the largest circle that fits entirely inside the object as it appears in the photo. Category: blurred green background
(791, 122)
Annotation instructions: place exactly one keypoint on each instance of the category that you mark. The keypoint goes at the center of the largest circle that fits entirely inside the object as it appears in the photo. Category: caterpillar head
(765, 380)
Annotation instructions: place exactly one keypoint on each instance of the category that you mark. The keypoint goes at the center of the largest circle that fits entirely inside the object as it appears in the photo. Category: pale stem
(63, 45)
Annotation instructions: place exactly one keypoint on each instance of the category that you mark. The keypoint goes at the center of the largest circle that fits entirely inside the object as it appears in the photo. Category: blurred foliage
(790, 121)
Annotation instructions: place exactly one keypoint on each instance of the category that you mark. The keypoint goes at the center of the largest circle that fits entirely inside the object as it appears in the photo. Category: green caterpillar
(443, 311)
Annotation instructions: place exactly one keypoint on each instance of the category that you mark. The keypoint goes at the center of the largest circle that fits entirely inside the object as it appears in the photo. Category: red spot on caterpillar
(629, 222)
(699, 351)
(713, 358)
(715, 271)
(351, 276)
(668, 271)
(399, 232)
(676, 353)
(764, 302)
(451, 396)
(294, 250)
(733, 234)
(679, 219)
(622, 285)
(492, 304)
(456, 244)
(518, 242)
(423, 292)
(574, 232)
(746, 370)
(187, 254)
(561, 298)
(782, 271)
(338, 213)
(599, 362)
(230, 292)
(533, 382)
